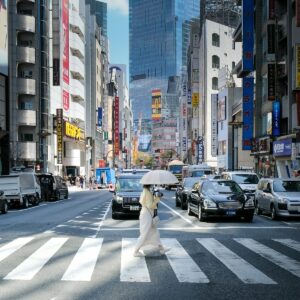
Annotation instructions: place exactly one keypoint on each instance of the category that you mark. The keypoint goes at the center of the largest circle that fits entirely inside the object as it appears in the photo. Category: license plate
(134, 207)
(230, 212)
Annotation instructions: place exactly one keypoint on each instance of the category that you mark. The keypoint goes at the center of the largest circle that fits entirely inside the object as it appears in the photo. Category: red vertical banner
(116, 126)
(65, 25)
(66, 100)
(298, 13)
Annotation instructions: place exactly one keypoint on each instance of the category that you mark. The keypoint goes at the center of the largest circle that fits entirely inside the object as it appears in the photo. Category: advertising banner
(66, 100)
(248, 34)
(214, 124)
(222, 109)
(3, 38)
(297, 59)
(99, 123)
(271, 82)
(59, 133)
(116, 126)
(56, 72)
(72, 131)
(276, 119)
(189, 97)
(65, 27)
(195, 100)
(248, 84)
(297, 13)
(200, 145)
(156, 105)
(282, 147)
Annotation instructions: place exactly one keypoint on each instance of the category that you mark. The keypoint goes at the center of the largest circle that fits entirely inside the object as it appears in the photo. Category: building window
(27, 137)
(215, 40)
(215, 83)
(233, 65)
(215, 62)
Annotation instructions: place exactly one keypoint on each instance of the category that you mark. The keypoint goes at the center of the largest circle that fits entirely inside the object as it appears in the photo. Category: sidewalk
(74, 188)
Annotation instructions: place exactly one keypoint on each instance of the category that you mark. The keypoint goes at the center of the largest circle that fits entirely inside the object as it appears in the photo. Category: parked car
(126, 195)
(247, 180)
(279, 197)
(21, 189)
(53, 187)
(183, 191)
(220, 198)
(3, 203)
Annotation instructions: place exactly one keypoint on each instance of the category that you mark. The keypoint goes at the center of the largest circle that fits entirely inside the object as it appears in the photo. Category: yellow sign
(72, 131)
(195, 99)
(156, 104)
(297, 58)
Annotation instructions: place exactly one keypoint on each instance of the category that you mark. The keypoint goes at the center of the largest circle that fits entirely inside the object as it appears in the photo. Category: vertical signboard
(276, 119)
(116, 126)
(222, 108)
(248, 35)
(59, 133)
(271, 38)
(297, 59)
(271, 9)
(189, 97)
(214, 124)
(184, 121)
(156, 105)
(248, 83)
(65, 60)
(297, 4)
(195, 100)
(99, 122)
(200, 150)
(56, 72)
(3, 38)
(271, 82)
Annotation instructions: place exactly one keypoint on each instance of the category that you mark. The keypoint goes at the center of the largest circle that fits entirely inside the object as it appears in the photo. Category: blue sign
(99, 123)
(189, 97)
(248, 35)
(282, 148)
(200, 150)
(248, 83)
(276, 119)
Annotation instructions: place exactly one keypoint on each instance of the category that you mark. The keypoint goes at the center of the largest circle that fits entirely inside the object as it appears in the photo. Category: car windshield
(286, 186)
(189, 182)
(245, 178)
(128, 185)
(221, 187)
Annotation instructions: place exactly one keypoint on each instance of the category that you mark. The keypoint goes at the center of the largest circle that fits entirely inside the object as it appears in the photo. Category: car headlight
(283, 201)
(209, 203)
(249, 203)
(118, 199)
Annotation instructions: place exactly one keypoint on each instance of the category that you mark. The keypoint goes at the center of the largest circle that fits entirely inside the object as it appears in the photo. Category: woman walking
(149, 235)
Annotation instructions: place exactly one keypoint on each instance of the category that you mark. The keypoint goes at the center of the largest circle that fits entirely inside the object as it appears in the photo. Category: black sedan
(220, 198)
(183, 191)
(3, 203)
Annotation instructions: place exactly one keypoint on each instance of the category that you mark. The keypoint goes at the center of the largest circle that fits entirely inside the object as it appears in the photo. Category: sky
(118, 32)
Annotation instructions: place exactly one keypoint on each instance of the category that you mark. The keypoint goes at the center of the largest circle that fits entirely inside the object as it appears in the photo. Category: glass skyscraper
(159, 34)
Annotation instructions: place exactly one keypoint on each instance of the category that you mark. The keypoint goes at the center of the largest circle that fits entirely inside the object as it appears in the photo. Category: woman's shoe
(164, 250)
(138, 254)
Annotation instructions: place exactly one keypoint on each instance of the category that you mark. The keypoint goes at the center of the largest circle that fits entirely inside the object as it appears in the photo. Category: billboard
(156, 105)
(248, 84)
(222, 109)
(282, 147)
(66, 54)
(195, 100)
(271, 82)
(66, 100)
(116, 126)
(3, 38)
(297, 59)
(59, 133)
(276, 119)
(214, 124)
(99, 122)
(248, 35)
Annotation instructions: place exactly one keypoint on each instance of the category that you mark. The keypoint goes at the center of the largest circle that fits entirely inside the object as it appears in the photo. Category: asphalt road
(72, 249)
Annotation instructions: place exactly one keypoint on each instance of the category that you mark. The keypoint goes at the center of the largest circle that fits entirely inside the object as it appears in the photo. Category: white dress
(149, 234)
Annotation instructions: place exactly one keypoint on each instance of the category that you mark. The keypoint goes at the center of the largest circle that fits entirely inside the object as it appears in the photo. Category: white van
(21, 189)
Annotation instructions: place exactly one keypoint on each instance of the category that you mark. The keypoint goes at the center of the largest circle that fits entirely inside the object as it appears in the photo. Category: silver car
(278, 196)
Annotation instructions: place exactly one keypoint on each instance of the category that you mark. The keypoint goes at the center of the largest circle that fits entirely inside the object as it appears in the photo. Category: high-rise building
(159, 37)
(99, 9)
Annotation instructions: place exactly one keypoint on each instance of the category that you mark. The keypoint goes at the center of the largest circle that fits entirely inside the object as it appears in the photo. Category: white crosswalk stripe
(242, 269)
(185, 269)
(289, 243)
(83, 264)
(273, 256)
(34, 263)
(13, 246)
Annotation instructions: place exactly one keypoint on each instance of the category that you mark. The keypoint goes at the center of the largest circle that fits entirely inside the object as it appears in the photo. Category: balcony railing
(27, 150)
(25, 23)
(26, 86)
(77, 67)
(26, 55)
(76, 45)
(76, 90)
(26, 117)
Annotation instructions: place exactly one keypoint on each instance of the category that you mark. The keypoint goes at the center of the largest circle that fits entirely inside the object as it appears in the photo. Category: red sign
(298, 13)
(65, 25)
(116, 126)
(101, 163)
(66, 100)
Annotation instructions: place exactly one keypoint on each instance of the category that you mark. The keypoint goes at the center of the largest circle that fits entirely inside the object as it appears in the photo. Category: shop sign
(276, 119)
(72, 131)
(116, 126)
(261, 145)
(298, 13)
(59, 133)
(189, 97)
(200, 149)
(248, 35)
(66, 100)
(195, 100)
(184, 144)
(99, 123)
(214, 124)
(271, 82)
(297, 59)
(282, 147)
(156, 105)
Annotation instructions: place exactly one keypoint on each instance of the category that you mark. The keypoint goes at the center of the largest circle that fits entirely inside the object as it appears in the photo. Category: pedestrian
(81, 181)
(149, 234)
(90, 183)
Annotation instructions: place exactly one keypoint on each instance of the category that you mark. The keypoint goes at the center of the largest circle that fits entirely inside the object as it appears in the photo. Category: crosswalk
(187, 267)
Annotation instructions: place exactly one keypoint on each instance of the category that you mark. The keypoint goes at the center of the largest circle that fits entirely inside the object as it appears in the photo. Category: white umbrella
(159, 177)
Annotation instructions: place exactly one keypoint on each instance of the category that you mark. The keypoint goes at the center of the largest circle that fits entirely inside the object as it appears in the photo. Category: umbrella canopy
(159, 177)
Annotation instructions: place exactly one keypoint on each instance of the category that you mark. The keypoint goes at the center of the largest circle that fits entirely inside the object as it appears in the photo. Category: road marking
(29, 208)
(133, 269)
(13, 246)
(77, 227)
(185, 269)
(273, 256)
(104, 217)
(290, 243)
(34, 263)
(242, 269)
(83, 263)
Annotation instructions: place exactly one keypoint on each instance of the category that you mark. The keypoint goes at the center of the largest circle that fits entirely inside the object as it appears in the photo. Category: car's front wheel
(189, 211)
(258, 210)
(176, 201)
(273, 212)
(201, 216)
(5, 208)
(25, 202)
(114, 216)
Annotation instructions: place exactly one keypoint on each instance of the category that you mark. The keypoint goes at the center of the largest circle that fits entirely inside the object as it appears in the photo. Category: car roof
(239, 172)
(129, 175)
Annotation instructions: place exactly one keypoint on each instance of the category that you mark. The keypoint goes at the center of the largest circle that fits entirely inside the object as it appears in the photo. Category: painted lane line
(78, 221)
(13, 246)
(184, 267)
(83, 263)
(273, 256)
(133, 269)
(178, 214)
(242, 269)
(104, 217)
(76, 227)
(289, 243)
(34, 263)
